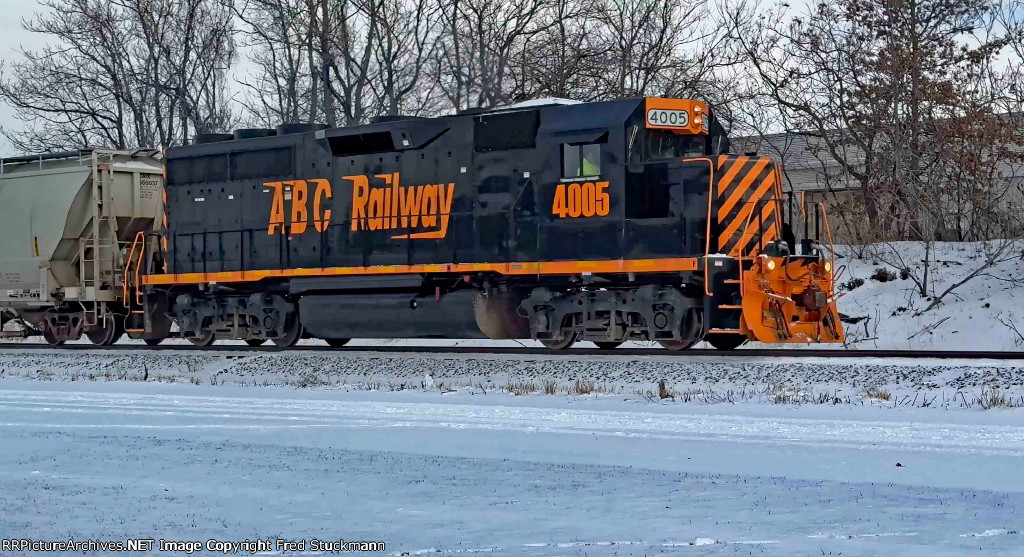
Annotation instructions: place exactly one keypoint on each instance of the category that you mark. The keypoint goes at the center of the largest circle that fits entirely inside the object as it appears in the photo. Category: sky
(12, 37)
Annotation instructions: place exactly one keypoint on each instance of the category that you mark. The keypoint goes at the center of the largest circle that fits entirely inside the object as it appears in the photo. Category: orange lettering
(376, 208)
(276, 209)
(360, 197)
(300, 193)
(446, 206)
(409, 206)
(394, 201)
(321, 220)
(428, 206)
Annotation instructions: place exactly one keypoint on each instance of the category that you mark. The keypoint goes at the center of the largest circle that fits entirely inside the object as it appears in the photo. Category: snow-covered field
(947, 384)
(542, 454)
(985, 313)
(465, 472)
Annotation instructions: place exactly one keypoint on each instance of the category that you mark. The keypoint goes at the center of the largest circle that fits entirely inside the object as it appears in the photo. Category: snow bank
(980, 315)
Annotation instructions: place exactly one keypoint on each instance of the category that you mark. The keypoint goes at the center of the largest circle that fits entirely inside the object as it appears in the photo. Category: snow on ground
(688, 378)
(433, 474)
(980, 315)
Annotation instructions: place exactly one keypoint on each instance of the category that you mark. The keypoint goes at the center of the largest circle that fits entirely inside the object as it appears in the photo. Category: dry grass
(780, 392)
(878, 393)
(994, 399)
(582, 387)
(550, 386)
(521, 387)
(664, 392)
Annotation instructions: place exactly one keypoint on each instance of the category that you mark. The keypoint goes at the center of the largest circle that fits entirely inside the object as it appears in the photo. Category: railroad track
(529, 351)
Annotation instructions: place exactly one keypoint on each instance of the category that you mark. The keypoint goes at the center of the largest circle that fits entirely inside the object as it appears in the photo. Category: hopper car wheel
(292, 332)
(562, 344)
(109, 333)
(725, 341)
(677, 345)
(49, 337)
(608, 345)
(153, 341)
(254, 342)
(205, 339)
(337, 342)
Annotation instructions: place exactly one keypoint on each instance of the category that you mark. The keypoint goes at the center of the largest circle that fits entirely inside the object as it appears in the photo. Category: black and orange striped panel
(745, 209)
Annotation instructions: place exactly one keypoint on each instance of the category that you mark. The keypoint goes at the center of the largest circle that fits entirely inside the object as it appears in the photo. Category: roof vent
(286, 129)
(202, 138)
(253, 133)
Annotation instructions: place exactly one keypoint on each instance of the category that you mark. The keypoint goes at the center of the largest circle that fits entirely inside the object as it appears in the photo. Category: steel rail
(543, 352)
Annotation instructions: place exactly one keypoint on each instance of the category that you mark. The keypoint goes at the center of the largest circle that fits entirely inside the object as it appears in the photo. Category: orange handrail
(139, 243)
(138, 268)
(828, 233)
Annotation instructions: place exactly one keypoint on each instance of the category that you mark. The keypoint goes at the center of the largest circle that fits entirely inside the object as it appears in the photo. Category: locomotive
(601, 222)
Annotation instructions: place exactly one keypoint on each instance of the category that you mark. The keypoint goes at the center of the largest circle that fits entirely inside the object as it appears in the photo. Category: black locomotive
(604, 222)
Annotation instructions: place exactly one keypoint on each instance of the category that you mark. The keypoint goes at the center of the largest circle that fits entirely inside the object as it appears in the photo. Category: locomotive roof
(557, 116)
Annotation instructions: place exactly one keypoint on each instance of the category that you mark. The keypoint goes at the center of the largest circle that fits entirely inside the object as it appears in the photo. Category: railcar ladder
(99, 252)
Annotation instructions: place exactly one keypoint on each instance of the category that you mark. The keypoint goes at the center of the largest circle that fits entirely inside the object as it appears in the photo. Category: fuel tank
(390, 315)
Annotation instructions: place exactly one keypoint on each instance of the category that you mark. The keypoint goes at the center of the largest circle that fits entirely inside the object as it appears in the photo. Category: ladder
(99, 252)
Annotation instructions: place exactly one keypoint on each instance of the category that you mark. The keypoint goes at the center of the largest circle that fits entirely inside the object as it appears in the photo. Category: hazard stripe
(764, 223)
(741, 218)
(726, 179)
(742, 188)
(769, 236)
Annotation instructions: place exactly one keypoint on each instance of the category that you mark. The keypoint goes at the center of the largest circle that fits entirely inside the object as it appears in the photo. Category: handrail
(707, 224)
(138, 268)
(138, 243)
(828, 232)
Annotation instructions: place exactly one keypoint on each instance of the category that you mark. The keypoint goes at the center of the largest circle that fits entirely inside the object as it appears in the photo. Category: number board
(663, 117)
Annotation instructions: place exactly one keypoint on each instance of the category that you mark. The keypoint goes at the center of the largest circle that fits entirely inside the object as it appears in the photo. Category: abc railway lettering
(390, 207)
(397, 207)
(299, 198)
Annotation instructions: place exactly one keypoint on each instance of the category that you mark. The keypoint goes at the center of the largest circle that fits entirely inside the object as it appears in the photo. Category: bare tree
(898, 93)
(480, 43)
(279, 37)
(120, 74)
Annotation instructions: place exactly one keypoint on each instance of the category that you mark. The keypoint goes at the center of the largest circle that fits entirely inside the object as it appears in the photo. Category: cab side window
(581, 161)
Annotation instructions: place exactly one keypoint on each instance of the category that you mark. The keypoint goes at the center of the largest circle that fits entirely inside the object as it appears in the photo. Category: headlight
(771, 265)
(828, 266)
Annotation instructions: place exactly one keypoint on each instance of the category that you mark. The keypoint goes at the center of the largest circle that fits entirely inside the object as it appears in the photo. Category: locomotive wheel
(153, 341)
(677, 345)
(108, 334)
(205, 339)
(254, 342)
(693, 324)
(562, 344)
(292, 332)
(725, 341)
(337, 342)
(612, 345)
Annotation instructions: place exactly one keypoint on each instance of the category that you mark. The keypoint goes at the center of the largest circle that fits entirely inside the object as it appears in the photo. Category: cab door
(666, 208)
